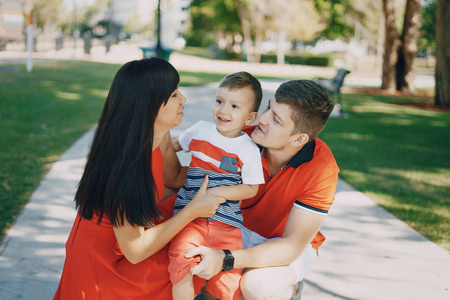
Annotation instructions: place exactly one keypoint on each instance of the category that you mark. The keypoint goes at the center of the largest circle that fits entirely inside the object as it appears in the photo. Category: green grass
(399, 157)
(196, 51)
(44, 112)
(198, 78)
(41, 114)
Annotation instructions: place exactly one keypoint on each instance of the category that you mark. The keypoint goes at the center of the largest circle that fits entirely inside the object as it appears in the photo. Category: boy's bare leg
(184, 290)
(269, 283)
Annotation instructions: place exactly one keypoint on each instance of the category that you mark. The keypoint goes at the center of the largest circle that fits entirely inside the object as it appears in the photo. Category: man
(289, 209)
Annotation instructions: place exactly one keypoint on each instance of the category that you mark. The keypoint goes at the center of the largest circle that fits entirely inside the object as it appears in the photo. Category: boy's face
(233, 109)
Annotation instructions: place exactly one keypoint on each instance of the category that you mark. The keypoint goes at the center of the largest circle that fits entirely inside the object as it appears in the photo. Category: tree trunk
(246, 31)
(428, 58)
(442, 97)
(390, 47)
(229, 40)
(280, 49)
(258, 45)
(408, 48)
(380, 37)
(400, 67)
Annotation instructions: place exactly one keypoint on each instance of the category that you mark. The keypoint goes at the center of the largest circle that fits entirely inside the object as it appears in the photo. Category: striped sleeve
(310, 208)
(318, 196)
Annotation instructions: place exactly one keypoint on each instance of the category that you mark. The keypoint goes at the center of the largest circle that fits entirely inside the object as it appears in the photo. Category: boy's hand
(216, 192)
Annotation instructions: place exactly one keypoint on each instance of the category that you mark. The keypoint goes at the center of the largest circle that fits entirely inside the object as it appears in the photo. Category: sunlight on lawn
(371, 106)
(397, 120)
(357, 136)
(99, 92)
(438, 177)
(67, 96)
(47, 83)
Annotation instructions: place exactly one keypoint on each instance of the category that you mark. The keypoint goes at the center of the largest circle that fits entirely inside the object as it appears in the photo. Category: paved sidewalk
(369, 254)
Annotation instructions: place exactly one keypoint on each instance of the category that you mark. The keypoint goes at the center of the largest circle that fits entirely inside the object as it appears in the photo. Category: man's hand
(211, 264)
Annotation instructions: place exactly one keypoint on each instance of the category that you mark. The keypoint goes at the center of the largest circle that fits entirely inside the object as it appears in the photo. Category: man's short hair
(241, 80)
(310, 103)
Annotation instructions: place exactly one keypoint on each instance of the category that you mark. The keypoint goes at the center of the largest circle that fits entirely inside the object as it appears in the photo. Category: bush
(299, 59)
(226, 55)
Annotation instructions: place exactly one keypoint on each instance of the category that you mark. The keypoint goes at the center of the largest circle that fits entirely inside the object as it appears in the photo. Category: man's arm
(301, 227)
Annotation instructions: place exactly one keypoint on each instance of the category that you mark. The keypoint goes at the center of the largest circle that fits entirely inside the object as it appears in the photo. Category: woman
(116, 249)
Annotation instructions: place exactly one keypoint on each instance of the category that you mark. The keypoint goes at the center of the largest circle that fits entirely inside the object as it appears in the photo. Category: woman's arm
(137, 243)
(174, 173)
(176, 144)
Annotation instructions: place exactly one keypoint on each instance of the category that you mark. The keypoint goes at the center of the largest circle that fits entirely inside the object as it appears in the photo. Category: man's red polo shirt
(308, 181)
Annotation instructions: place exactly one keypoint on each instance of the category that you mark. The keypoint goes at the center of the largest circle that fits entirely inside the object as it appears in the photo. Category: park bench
(333, 86)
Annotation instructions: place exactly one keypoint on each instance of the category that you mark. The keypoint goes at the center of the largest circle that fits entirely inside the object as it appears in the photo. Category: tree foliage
(300, 19)
(281, 20)
(428, 27)
(209, 17)
(334, 13)
(92, 16)
(46, 13)
(255, 20)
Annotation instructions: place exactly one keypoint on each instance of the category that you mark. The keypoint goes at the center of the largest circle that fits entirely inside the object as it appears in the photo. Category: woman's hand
(204, 205)
(137, 244)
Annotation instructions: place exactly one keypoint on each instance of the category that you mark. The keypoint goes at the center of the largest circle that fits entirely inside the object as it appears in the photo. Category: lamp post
(75, 28)
(158, 32)
(30, 42)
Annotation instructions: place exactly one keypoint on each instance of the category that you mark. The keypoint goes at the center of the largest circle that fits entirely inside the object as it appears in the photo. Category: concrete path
(369, 254)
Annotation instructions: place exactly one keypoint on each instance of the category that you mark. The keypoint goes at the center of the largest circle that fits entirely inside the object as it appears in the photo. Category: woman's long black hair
(117, 181)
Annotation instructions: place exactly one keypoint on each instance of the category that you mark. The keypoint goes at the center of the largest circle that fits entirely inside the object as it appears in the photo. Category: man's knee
(252, 287)
(259, 284)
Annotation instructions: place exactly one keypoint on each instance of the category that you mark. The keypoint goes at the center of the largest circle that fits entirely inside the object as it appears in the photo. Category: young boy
(232, 162)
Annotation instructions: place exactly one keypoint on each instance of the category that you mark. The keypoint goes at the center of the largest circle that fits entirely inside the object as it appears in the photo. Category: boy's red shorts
(212, 234)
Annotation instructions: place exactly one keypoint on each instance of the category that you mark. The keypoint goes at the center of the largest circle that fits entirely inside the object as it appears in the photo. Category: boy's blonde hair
(241, 80)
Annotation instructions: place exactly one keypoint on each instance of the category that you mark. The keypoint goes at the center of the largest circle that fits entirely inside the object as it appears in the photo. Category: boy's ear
(300, 139)
(251, 118)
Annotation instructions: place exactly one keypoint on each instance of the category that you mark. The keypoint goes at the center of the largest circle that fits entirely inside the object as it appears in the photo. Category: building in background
(11, 22)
